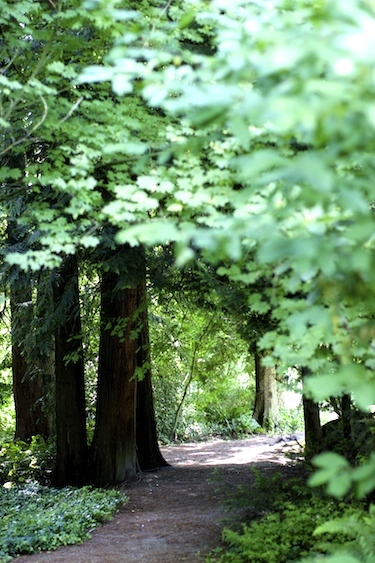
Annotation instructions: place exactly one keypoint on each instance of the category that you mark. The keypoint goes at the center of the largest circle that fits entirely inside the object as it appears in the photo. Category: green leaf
(364, 477)
(342, 558)
(154, 232)
(187, 19)
(339, 485)
(240, 130)
(121, 85)
(330, 460)
(89, 241)
(333, 471)
(129, 147)
(321, 387)
(95, 73)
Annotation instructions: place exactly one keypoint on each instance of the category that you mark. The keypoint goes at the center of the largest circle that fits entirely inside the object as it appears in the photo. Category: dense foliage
(22, 462)
(239, 133)
(202, 371)
(287, 521)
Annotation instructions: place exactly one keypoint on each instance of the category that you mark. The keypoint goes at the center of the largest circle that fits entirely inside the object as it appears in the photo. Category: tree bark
(114, 444)
(148, 451)
(45, 338)
(46, 371)
(71, 463)
(266, 400)
(313, 428)
(27, 383)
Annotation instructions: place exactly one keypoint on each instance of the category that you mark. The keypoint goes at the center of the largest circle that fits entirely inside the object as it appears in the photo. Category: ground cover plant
(35, 518)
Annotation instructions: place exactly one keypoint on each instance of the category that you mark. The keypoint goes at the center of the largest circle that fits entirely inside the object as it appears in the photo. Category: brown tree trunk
(313, 428)
(148, 451)
(71, 463)
(27, 382)
(45, 338)
(114, 444)
(46, 371)
(266, 400)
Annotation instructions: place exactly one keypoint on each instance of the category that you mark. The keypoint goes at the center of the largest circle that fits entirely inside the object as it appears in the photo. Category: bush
(286, 535)
(21, 462)
(290, 420)
(284, 514)
(239, 427)
(7, 421)
(35, 518)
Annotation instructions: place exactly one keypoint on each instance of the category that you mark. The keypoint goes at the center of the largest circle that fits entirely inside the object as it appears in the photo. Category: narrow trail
(175, 514)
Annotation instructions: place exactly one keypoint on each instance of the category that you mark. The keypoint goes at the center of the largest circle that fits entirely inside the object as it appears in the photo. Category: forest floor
(177, 513)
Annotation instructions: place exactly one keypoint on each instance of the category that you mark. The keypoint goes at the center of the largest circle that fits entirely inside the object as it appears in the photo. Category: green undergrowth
(35, 518)
(287, 521)
(21, 462)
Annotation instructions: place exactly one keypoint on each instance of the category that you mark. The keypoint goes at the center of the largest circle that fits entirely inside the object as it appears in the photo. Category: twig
(72, 109)
(27, 136)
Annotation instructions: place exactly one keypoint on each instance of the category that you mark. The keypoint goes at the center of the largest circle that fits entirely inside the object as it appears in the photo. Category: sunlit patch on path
(224, 452)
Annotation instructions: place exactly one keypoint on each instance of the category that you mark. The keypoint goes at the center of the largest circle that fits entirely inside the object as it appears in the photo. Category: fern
(359, 528)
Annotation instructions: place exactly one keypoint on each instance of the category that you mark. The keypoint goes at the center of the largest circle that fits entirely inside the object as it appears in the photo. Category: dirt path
(175, 514)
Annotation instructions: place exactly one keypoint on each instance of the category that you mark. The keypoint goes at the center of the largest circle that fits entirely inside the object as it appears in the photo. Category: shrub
(7, 421)
(285, 535)
(283, 515)
(290, 420)
(21, 462)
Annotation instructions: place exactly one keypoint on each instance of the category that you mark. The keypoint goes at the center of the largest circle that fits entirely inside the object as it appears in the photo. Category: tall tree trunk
(46, 369)
(44, 313)
(71, 463)
(149, 455)
(346, 422)
(114, 443)
(27, 383)
(313, 428)
(346, 415)
(266, 399)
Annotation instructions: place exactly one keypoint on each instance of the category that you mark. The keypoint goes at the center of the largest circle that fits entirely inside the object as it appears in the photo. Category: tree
(290, 188)
(313, 428)
(148, 451)
(247, 305)
(71, 441)
(27, 390)
(266, 396)
(67, 175)
(125, 430)
(114, 446)
(203, 370)
(30, 406)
